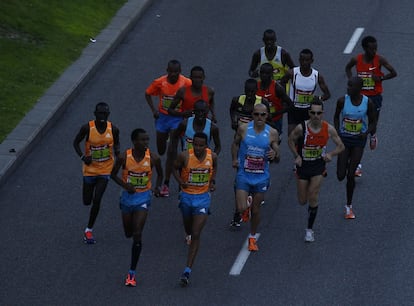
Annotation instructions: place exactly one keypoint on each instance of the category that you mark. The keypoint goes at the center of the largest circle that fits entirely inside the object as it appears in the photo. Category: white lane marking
(354, 39)
(241, 258)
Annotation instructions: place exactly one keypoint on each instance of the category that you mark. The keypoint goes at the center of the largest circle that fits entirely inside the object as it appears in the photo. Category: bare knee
(302, 201)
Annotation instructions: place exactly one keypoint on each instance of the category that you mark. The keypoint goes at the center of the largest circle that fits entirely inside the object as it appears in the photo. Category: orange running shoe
(253, 245)
(349, 214)
(88, 238)
(246, 213)
(130, 280)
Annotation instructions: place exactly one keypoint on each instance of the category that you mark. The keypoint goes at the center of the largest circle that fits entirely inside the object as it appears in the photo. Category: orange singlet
(197, 174)
(99, 146)
(138, 173)
(189, 99)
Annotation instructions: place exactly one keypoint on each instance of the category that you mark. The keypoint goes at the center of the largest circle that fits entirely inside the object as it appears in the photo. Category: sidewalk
(52, 104)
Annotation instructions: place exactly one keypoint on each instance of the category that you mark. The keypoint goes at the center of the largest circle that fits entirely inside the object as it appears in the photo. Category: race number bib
(199, 177)
(138, 180)
(310, 153)
(352, 126)
(368, 82)
(272, 108)
(254, 164)
(166, 102)
(303, 99)
(188, 143)
(100, 153)
(244, 120)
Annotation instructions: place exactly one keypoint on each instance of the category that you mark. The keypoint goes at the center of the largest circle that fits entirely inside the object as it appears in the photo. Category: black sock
(312, 215)
(135, 252)
(167, 182)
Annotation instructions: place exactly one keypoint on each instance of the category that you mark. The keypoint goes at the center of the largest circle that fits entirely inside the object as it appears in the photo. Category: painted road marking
(354, 39)
(241, 258)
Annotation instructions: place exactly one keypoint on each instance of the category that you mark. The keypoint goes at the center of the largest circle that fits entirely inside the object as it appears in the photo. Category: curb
(37, 122)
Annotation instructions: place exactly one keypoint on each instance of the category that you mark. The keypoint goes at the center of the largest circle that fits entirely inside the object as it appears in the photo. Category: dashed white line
(241, 258)
(354, 39)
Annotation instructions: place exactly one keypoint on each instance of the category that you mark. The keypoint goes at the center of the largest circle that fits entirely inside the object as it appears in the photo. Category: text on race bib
(199, 177)
(254, 164)
(100, 153)
(352, 126)
(138, 180)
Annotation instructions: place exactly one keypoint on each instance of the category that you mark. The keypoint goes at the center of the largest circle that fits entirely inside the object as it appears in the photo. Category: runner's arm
(339, 146)
(348, 68)
(253, 70)
(322, 85)
(156, 162)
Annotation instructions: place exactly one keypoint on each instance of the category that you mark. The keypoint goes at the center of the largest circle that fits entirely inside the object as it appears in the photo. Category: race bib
(311, 153)
(199, 177)
(254, 164)
(244, 120)
(166, 102)
(272, 108)
(303, 99)
(352, 126)
(368, 82)
(138, 180)
(188, 143)
(100, 153)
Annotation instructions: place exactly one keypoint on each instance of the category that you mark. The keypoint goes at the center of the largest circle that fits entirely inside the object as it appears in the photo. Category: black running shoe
(236, 222)
(185, 279)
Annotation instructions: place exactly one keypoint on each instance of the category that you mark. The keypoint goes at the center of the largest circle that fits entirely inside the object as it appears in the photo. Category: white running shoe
(309, 235)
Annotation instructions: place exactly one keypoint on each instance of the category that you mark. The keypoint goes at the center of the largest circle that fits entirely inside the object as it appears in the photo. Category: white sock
(88, 229)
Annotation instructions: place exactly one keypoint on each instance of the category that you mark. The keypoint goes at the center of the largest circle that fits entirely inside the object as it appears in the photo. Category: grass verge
(39, 39)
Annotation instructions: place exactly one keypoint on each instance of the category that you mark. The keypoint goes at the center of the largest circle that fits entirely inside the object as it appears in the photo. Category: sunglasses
(315, 113)
(260, 114)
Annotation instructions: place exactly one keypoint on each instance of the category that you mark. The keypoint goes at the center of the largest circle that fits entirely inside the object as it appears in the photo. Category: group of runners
(186, 129)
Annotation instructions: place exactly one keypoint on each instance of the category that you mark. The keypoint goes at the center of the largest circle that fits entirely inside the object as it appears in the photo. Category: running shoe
(188, 239)
(88, 238)
(253, 245)
(245, 217)
(130, 280)
(165, 191)
(349, 214)
(358, 171)
(246, 213)
(236, 222)
(373, 141)
(309, 235)
(185, 279)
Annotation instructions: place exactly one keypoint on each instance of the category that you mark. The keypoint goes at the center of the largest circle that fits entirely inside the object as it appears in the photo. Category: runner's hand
(87, 160)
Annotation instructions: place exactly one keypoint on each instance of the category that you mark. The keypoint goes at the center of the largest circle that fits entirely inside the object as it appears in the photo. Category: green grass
(39, 39)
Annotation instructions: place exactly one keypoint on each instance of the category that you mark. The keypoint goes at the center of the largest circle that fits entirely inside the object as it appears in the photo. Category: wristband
(82, 157)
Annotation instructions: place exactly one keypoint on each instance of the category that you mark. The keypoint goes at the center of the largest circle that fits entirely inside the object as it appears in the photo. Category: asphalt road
(367, 261)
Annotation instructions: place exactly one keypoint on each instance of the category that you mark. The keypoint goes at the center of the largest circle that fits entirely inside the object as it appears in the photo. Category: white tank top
(303, 88)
